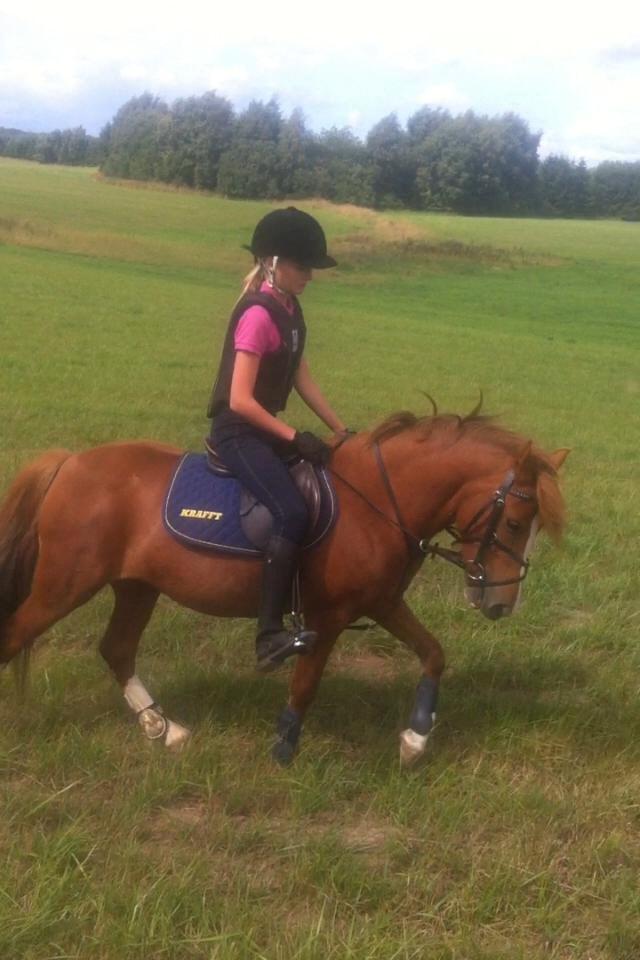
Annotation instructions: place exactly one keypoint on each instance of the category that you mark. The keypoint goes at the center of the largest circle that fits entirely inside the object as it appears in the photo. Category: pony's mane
(484, 429)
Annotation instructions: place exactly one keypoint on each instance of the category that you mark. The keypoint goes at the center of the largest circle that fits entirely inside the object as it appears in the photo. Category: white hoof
(176, 737)
(412, 746)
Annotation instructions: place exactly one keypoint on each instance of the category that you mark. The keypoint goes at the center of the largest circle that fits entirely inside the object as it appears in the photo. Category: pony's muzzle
(491, 606)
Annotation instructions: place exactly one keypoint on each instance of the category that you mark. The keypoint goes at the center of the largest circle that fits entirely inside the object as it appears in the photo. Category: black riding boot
(275, 642)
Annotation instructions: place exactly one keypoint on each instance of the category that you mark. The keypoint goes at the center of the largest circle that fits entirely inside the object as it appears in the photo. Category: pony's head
(497, 522)
(509, 494)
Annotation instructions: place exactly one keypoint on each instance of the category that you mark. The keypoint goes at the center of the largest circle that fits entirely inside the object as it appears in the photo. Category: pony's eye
(513, 525)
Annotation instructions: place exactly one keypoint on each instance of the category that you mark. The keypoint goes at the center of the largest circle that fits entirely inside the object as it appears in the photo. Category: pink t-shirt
(256, 332)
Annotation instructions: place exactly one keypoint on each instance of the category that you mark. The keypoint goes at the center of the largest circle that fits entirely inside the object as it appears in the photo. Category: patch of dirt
(391, 239)
(156, 185)
(99, 244)
(574, 619)
(187, 812)
(386, 238)
(349, 210)
(365, 664)
(367, 836)
(257, 852)
(364, 834)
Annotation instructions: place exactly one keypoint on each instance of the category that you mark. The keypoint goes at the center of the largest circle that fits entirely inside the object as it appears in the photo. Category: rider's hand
(312, 448)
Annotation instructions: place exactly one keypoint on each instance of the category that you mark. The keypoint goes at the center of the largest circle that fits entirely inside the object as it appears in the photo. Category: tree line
(465, 163)
(74, 147)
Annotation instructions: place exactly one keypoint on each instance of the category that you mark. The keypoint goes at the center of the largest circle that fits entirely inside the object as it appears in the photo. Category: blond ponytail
(252, 282)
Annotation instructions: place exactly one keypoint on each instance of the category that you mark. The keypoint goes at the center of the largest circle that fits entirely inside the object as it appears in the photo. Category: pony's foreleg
(134, 603)
(304, 684)
(402, 623)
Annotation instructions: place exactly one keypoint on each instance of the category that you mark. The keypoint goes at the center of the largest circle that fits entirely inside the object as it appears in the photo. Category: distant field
(518, 837)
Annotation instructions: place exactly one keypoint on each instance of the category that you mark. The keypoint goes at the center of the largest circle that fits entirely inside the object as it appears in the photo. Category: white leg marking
(155, 725)
(412, 746)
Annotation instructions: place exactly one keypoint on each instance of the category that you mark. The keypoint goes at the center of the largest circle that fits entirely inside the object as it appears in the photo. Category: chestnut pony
(72, 523)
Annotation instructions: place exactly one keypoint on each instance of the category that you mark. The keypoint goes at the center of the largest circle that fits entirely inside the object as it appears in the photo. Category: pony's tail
(19, 537)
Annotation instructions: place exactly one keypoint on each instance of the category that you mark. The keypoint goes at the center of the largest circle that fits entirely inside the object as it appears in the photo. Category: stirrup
(300, 643)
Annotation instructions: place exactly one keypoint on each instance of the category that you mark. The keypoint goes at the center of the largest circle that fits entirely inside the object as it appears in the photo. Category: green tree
(298, 150)
(563, 187)
(137, 137)
(474, 164)
(424, 123)
(342, 171)
(74, 147)
(260, 121)
(252, 166)
(250, 169)
(616, 189)
(392, 162)
(198, 132)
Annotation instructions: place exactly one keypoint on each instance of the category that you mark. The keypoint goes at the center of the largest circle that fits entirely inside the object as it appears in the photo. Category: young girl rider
(262, 361)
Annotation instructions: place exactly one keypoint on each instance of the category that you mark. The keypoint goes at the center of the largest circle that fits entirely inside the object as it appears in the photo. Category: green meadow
(518, 836)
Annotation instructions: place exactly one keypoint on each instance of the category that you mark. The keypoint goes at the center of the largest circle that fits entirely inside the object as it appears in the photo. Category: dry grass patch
(373, 836)
(103, 244)
(367, 665)
(251, 832)
(155, 185)
(393, 240)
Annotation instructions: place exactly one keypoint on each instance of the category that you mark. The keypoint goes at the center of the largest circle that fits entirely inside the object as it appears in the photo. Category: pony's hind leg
(405, 626)
(52, 597)
(134, 603)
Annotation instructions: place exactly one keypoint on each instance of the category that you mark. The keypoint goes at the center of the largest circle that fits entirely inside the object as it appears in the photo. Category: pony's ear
(523, 456)
(558, 457)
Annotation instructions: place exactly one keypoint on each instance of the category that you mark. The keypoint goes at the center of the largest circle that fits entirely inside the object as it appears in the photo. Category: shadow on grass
(503, 696)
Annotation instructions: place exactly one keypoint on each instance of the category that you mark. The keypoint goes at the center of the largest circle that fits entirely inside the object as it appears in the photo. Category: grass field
(518, 837)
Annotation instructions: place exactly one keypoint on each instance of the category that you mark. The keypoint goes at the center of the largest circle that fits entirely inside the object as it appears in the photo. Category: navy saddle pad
(203, 509)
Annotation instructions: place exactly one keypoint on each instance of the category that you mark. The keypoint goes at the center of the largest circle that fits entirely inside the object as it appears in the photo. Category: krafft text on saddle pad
(203, 509)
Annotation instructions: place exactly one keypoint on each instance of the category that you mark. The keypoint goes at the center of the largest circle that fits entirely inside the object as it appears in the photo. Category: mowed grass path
(518, 836)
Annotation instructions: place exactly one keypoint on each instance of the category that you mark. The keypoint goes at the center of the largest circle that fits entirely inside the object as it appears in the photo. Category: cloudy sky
(571, 69)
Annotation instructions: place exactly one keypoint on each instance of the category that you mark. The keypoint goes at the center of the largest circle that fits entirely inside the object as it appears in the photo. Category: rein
(421, 547)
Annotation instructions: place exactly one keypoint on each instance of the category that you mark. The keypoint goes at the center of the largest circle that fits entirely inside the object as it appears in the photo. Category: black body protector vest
(277, 370)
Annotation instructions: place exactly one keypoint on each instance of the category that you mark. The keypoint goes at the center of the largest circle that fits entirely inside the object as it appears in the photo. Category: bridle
(475, 571)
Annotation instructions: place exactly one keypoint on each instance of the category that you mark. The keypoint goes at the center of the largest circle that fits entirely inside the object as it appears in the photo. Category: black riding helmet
(294, 235)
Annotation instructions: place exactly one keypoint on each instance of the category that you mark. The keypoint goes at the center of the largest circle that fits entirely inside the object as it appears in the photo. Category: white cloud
(51, 80)
(412, 36)
(602, 124)
(231, 82)
(444, 95)
(133, 71)
(343, 57)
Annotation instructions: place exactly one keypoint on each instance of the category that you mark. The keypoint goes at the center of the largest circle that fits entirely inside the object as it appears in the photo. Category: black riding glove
(312, 448)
